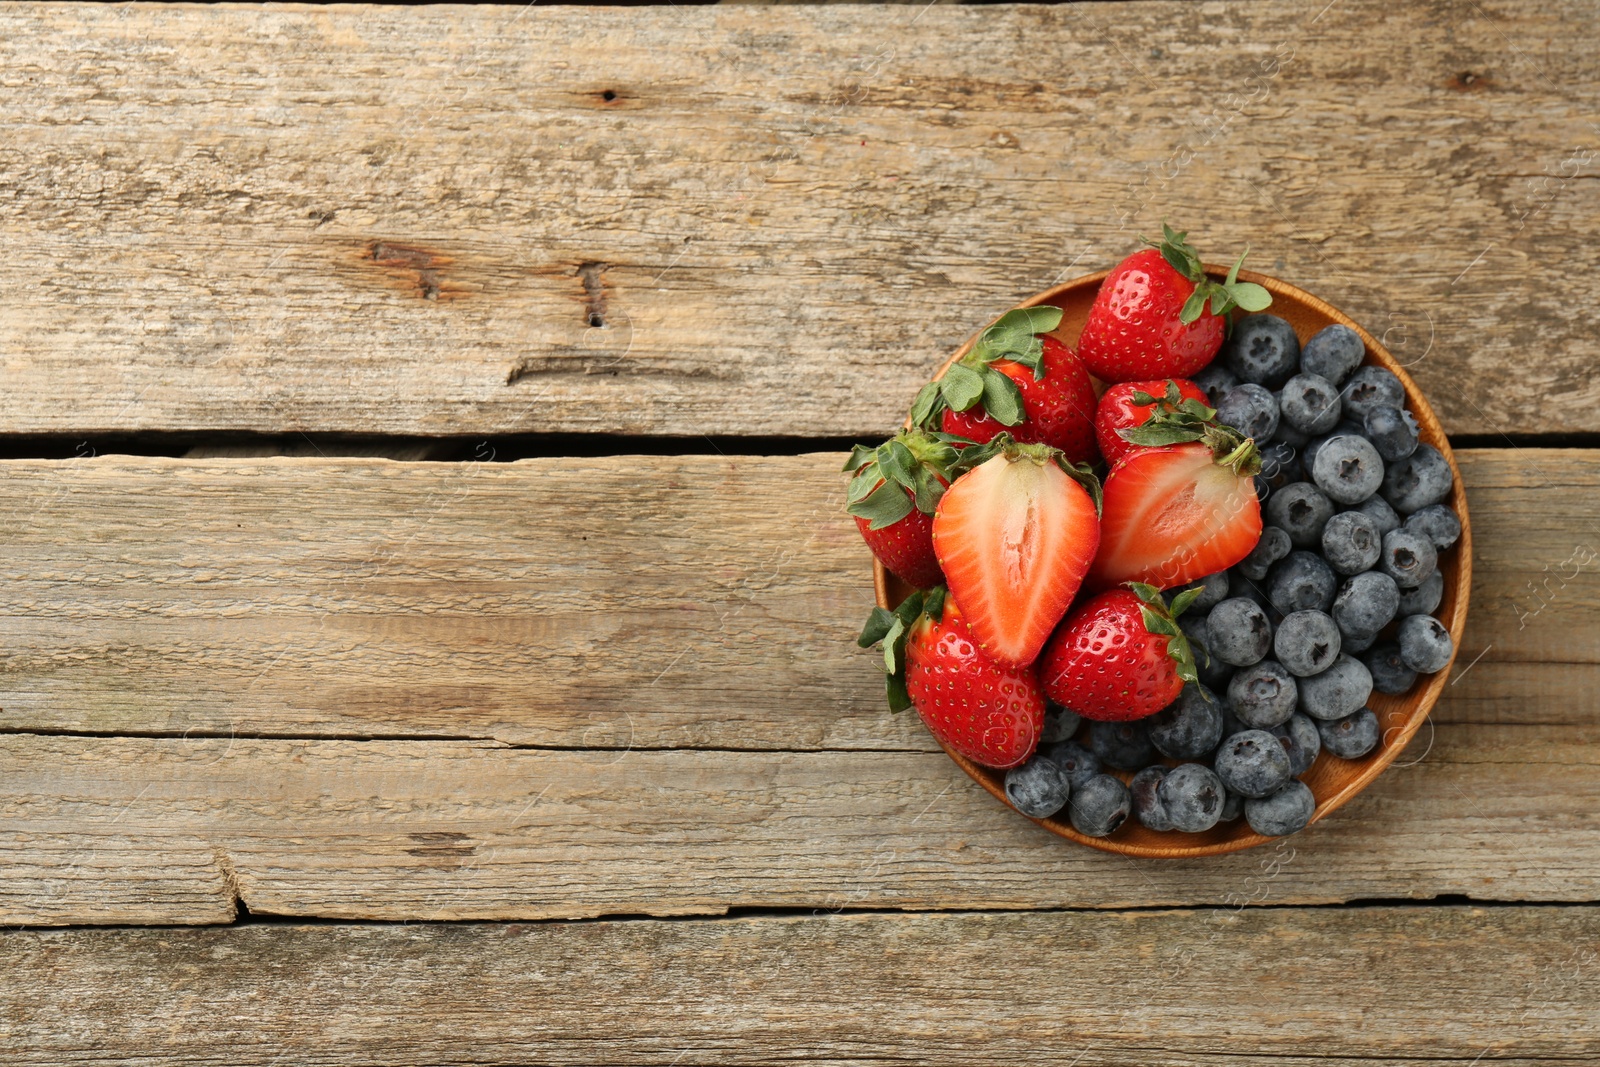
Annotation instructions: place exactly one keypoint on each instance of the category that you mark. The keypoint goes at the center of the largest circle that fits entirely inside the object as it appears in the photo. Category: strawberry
(1181, 507)
(1149, 320)
(896, 520)
(1121, 655)
(1014, 536)
(1015, 379)
(1129, 404)
(988, 711)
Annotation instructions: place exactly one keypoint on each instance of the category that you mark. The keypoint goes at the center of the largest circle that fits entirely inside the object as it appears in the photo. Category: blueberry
(1425, 644)
(1077, 762)
(1059, 723)
(1351, 542)
(1192, 796)
(1262, 350)
(1232, 807)
(1334, 352)
(1301, 510)
(1352, 736)
(1378, 510)
(1300, 742)
(1099, 807)
(1424, 599)
(1408, 558)
(1273, 545)
(1212, 671)
(1437, 523)
(1309, 403)
(1242, 588)
(1389, 671)
(1263, 696)
(1302, 582)
(1348, 469)
(1215, 381)
(1420, 479)
(1307, 643)
(1356, 643)
(1230, 723)
(1121, 744)
(1251, 409)
(1290, 436)
(1338, 691)
(1213, 591)
(1390, 432)
(1190, 726)
(1147, 806)
(1285, 812)
(1280, 466)
(1038, 788)
(1371, 387)
(1366, 603)
(1252, 763)
(1240, 632)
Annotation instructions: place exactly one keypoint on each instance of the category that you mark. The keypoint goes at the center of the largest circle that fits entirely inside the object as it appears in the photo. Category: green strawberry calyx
(1161, 619)
(893, 628)
(1179, 419)
(910, 470)
(1224, 295)
(973, 378)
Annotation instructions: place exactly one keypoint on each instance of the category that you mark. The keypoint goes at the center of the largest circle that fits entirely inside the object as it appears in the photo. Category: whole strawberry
(1182, 506)
(988, 711)
(1129, 404)
(1120, 656)
(1015, 380)
(1015, 535)
(1149, 319)
(893, 494)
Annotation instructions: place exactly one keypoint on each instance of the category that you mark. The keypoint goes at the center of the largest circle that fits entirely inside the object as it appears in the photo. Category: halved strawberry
(1015, 379)
(893, 494)
(1148, 319)
(1121, 655)
(1181, 509)
(988, 711)
(1129, 404)
(1014, 536)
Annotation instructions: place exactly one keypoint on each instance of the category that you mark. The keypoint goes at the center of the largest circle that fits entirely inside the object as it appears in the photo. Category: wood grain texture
(1393, 985)
(327, 218)
(644, 602)
(139, 830)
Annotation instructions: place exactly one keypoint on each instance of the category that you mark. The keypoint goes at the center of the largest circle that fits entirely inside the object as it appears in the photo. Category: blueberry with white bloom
(1099, 807)
(1425, 644)
(1340, 690)
(1347, 468)
(1351, 736)
(1422, 478)
(1302, 582)
(1408, 558)
(1263, 695)
(1059, 723)
(1371, 387)
(1424, 599)
(1300, 510)
(1310, 403)
(1190, 726)
(1307, 643)
(1378, 510)
(1263, 350)
(1075, 761)
(1252, 763)
(1038, 788)
(1213, 591)
(1390, 432)
(1351, 542)
(1366, 603)
(1147, 806)
(1215, 381)
(1389, 671)
(1301, 743)
(1334, 352)
(1285, 812)
(1240, 632)
(1272, 546)
(1192, 796)
(1251, 409)
(1436, 522)
(1123, 745)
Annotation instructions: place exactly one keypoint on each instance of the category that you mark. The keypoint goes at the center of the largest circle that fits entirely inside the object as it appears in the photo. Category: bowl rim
(1431, 433)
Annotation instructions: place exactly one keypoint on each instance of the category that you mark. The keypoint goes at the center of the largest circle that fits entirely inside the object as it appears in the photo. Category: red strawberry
(896, 520)
(1014, 536)
(1058, 409)
(1015, 379)
(1130, 404)
(1120, 656)
(1181, 509)
(1149, 319)
(987, 711)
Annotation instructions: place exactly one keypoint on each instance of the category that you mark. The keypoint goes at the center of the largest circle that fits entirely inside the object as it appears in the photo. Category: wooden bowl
(1333, 781)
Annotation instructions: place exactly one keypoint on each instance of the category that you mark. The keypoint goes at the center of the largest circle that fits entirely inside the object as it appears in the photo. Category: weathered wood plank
(324, 218)
(124, 830)
(651, 602)
(1393, 985)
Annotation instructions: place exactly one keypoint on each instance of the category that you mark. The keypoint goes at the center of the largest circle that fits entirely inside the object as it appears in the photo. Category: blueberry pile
(1336, 600)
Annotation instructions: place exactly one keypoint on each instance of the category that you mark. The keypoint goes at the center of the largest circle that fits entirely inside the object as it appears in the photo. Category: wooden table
(427, 602)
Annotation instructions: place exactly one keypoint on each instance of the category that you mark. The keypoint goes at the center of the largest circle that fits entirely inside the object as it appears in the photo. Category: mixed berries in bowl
(1172, 559)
